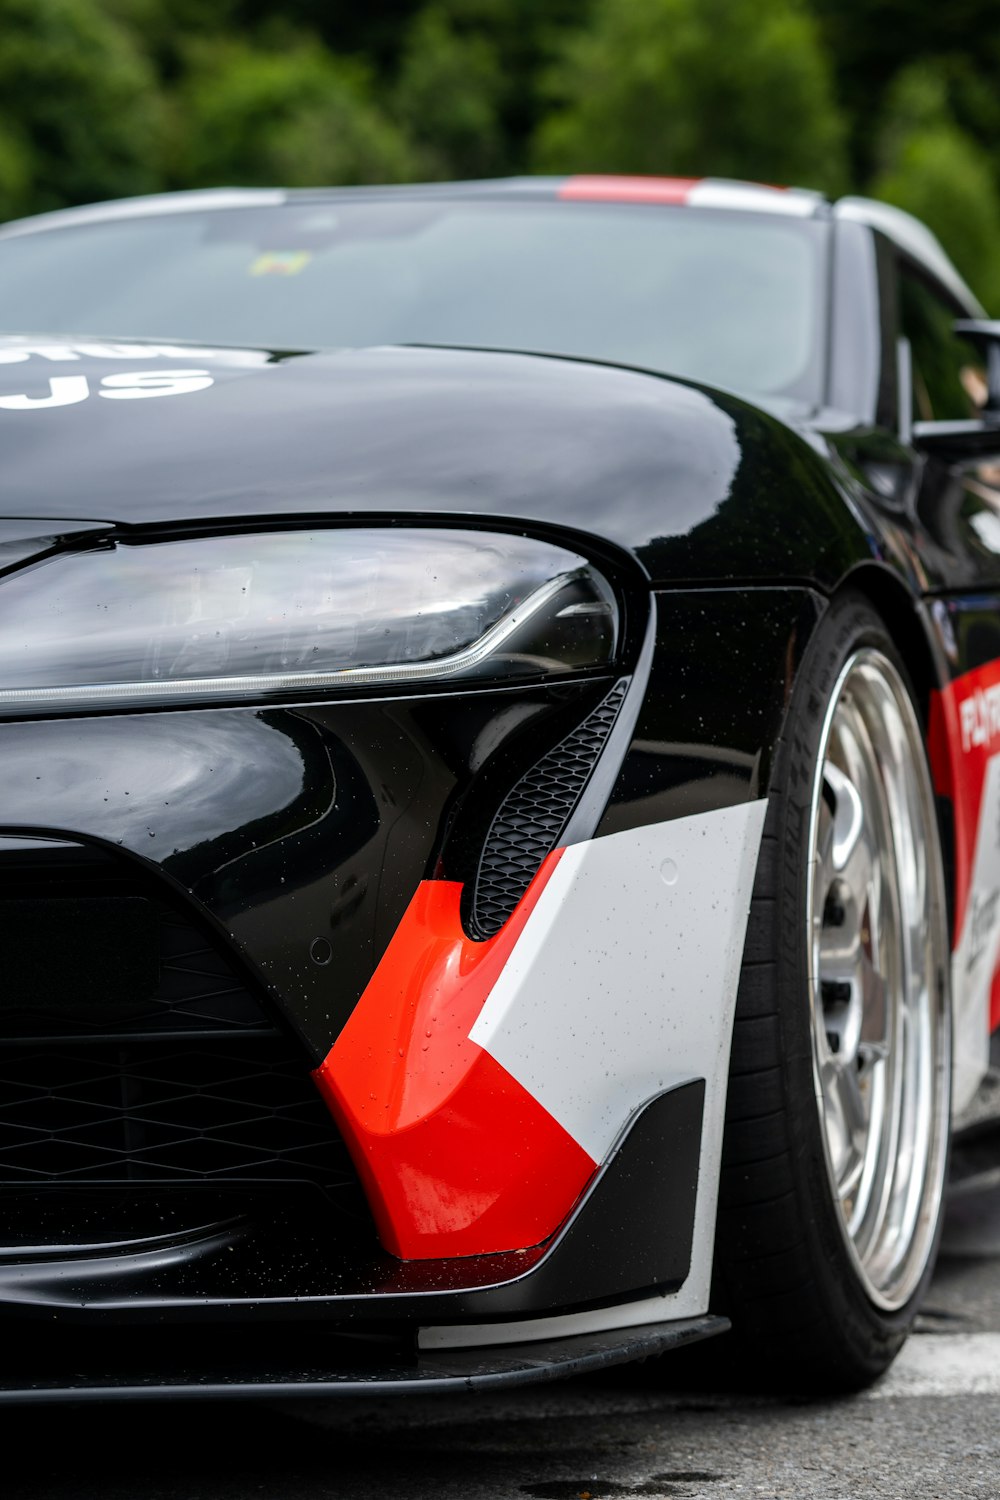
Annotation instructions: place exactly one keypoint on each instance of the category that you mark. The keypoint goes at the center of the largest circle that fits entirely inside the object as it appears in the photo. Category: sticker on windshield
(280, 263)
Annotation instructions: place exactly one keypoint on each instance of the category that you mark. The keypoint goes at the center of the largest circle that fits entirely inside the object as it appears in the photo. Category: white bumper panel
(623, 984)
(977, 957)
(624, 980)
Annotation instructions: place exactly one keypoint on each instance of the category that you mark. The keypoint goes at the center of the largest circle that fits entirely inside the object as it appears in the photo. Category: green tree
(15, 172)
(80, 107)
(514, 40)
(375, 32)
(689, 87)
(870, 41)
(167, 27)
(447, 98)
(288, 113)
(937, 171)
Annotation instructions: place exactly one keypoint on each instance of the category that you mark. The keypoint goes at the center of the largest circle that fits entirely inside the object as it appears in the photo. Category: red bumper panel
(963, 742)
(457, 1158)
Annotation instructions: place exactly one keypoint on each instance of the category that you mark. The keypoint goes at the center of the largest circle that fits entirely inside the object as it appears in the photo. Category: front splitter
(94, 1375)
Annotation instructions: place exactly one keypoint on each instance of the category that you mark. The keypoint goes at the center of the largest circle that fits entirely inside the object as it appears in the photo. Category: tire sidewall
(859, 1338)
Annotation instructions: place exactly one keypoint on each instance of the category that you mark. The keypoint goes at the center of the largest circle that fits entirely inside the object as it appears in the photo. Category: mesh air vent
(532, 816)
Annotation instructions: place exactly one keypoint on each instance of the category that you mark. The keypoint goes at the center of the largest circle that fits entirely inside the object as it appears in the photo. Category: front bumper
(291, 840)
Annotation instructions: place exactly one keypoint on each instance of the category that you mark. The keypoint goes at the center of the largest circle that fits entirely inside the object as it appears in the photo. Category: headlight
(244, 616)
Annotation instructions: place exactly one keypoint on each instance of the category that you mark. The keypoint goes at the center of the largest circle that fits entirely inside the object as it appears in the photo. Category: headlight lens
(241, 616)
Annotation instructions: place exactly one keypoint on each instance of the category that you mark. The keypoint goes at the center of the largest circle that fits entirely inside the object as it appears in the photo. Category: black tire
(807, 1311)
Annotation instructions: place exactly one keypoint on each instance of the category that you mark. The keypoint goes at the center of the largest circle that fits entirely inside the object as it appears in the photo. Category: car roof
(907, 233)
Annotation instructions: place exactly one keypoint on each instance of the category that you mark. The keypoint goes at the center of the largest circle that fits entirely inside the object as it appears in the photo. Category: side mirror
(984, 333)
(977, 436)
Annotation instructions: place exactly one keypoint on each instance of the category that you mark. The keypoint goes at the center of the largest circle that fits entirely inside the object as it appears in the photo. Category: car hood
(690, 481)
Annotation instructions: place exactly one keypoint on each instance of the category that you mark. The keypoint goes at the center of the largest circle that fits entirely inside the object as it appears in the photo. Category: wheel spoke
(848, 816)
(840, 953)
(855, 862)
(870, 1054)
(849, 1181)
(874, 995)
(842, 1090)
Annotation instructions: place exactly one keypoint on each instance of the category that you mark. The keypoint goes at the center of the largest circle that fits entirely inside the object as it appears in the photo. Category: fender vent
(527, 825)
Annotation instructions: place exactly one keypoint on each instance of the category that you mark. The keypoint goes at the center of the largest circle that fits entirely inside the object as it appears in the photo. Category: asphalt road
(931, 1428)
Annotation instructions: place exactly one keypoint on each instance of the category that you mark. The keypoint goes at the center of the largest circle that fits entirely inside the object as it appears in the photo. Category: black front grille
(109, 965)
(141, 1077)
(533, 815)
(197, 988)
(145, 1112)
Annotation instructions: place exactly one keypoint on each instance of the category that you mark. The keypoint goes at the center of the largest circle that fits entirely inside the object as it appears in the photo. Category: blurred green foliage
(103, 98)
(447, 96)
(745, 87)
(929, 165)
(288, 113)
(81, 109)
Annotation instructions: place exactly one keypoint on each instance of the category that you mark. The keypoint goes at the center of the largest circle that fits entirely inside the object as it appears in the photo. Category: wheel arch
(897, 606)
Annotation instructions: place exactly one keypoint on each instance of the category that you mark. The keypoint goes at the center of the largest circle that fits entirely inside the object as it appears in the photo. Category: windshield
(731, 299)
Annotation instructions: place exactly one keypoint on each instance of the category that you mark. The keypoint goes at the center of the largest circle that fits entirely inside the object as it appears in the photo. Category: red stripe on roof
(609, 189)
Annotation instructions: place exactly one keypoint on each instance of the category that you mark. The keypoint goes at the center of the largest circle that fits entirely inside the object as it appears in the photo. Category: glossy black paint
(295, 826)
(933, 523)
(722, 674)
(288, 827)
(696, 485)
(23, 540)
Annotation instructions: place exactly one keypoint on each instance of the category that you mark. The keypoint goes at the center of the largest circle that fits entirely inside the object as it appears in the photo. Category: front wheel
(839, 1103)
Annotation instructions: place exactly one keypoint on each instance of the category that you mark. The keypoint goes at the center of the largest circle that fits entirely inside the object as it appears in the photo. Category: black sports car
(500, 812)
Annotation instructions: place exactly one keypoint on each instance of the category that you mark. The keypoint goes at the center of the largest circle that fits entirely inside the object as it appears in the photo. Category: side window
(949, 381)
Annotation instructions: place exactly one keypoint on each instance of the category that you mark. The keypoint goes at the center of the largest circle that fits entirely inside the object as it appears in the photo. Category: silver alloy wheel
(878, 978)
